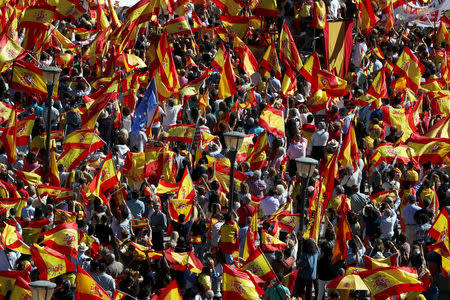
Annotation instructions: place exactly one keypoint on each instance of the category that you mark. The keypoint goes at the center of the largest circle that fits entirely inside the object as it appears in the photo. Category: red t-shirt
(245, 211)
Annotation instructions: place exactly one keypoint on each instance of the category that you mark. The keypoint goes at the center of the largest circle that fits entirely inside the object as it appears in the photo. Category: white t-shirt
(171, 115)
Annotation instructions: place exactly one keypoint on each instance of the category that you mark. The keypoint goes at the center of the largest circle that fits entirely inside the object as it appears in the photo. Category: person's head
(181, 218)
(321, 125)
(309, 246)
(110, 258)
(334, 295)
(412, 199)
(156, 206)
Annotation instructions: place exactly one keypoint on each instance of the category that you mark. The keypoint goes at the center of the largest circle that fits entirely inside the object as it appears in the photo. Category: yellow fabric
(10, 236)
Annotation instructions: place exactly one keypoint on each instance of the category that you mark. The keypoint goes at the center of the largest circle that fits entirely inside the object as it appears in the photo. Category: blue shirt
(256, 130)
(308, 265)
(137, 208)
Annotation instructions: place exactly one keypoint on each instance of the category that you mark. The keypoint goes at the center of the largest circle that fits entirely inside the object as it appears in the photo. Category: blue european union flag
(147, 104)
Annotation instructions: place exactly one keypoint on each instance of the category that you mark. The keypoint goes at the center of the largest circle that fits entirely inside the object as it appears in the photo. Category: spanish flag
(105, 179)
(71, 158)
(49, 262)
(182, 260)
(16, 203)
(8, 137)
(290, 279)
(271, 243)
(289, 84)
(248, 61)
(258, 264)
(440, 229)
(89, 118)
(409, 66)
(332, 84)
(5, 112)
(252, 234)
(90, 242)
(230, 7)
(166, 77)
(344, 233)
(367, 18)
(143, 10)
(267, 8)
(227, 86)
(429, 149)
(311, 64)
(386, 282)
(401, 118)
(31, 229)
(37, 17)
(349, 153)
(187, 190)
(21, 289)
(53, 175)
(24, 128)
(440, 129)
(270, 61)
(181, 133)
(62, 216)
(178, 26)
(219, 59)
(83, 138)
(179, 207)
(67, 8)
(286, 220)
(27, 77)
(87, 288)
(442, 34)
(439, 102)
(381, 196)
(139, 223)
(378, 88)
(240, 24)
(63, 238)
(239, 284)
(9, 279)
(12, 239)
(222, 174)
(319, 15)
(30, 178)
(272, 120)
(170, 292)
(288, 50)
(9, 51)
(372, 263)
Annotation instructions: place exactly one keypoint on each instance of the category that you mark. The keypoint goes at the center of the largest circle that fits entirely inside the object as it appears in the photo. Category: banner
(424, 16)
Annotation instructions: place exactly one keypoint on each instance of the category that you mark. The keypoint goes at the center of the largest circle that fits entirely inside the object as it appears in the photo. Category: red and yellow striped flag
(8, 280)
(349, 154)
(288, 51)
(267, 8)
(381, 196)
(373, 263)
(8, 137)
(166, 76)
(440, 229)
(105, 179)
(179, 207)
(187, 190)
(24, 128)
(12, 239)
(258, 264)
(344, 233)
(238, 284)
(240, 24)
(5, 111)
(87, 288)
(378, 88)
(271, 243)
(367, 19)
(170, 292)
(272, 120)
(27, 77)
(440, 129)
(181, 133)
(227, 86)
(248, 61)
(409, 66)
(9, 51)
(49, 262)
(311, 64)
(139, 223)
(270, 61)
(178, 26)
(37, 17)
(63, 238)
(21, 290)
(230, 7)
(402, 119)
(428, 148)
(30, 178)
(386, 282)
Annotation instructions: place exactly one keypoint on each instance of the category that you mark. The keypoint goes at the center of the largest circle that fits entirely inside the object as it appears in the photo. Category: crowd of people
(135, 191)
